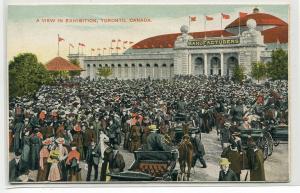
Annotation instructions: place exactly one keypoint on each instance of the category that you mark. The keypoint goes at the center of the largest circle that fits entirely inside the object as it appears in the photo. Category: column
(222, 64)
(205, 64)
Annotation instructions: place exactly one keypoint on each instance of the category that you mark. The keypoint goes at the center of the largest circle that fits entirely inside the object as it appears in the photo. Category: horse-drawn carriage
(150, 166)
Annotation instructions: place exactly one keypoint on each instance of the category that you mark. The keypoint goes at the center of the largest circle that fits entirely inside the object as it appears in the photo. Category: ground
(276, 166)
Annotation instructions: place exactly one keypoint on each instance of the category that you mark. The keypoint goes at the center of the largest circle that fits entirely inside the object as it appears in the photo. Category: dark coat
(93, 155)
(257, 171)
(156, 142)
(88, 136)
(198, 145)
(233, 157)
(15, 170)
(118, 163)
(229, 176)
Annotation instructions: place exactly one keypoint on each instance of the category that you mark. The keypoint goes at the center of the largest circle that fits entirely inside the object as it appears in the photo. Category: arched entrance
(199, 66)
(232, 62)
(215, 66)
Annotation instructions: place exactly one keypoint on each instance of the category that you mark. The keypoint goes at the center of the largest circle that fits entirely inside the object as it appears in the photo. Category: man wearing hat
(156, 141)
(15, 167)
(233, 156)
(226, 174)
(92, 159)
(199, 150)
(256, 162)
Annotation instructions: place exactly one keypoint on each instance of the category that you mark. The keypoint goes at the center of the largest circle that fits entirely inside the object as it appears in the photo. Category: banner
(202, 42)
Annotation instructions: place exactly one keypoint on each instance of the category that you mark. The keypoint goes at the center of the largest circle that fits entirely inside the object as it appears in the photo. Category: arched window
(119, 65)
(155, 65)
(126, 65)
(199, 61)
(148, 65)
(132, 65)
(100, 65)
(112, 65)
(164, 65)
(140, 65)
(94, 65)
(88, 65)
(172, 65)
(106, 65)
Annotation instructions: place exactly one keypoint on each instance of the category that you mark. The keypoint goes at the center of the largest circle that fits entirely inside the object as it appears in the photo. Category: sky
(27, 33)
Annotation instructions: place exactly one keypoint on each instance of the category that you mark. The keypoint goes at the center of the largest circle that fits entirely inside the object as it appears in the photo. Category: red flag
(193, 18)
(125, 42)
(71, 45)
(92, 49)
(113, 40)
(242, 14)
(81, 44)
(130, 42)
(209, 18)
(118, 48)
(225, 16)
(60, 39)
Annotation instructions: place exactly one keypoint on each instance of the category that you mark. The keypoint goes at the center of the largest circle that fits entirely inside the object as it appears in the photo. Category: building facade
(242, 42)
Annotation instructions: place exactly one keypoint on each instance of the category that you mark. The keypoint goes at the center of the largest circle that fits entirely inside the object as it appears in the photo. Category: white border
(293, 94)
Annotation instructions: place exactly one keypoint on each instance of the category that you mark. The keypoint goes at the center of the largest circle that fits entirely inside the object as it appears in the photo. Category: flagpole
(189, 23)
(239, 25)
(78, 49)
(103, 51)
(205, 27)
(110, 47)
(221, 26)
(117, 46)
(57, 44)
(69, 49)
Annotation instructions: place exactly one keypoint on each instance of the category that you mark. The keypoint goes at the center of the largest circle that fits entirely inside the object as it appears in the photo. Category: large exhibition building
(244, 41)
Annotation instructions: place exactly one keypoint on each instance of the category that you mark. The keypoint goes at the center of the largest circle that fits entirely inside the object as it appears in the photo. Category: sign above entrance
(214, 42)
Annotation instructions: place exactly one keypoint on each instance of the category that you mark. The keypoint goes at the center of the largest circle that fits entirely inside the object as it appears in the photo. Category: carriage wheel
(276, 142)
(270, 143)
(263, 144)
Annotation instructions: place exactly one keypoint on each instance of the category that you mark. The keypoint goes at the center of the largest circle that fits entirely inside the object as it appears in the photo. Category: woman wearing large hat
(226, 174)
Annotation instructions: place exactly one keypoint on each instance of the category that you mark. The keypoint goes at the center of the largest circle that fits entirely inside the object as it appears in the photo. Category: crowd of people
(78, 120)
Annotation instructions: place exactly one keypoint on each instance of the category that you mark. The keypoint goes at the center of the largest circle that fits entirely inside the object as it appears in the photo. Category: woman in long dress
(53, 159)
(43, 165)
(73, 164)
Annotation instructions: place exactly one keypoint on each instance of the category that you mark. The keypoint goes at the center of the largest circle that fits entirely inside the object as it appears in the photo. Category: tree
(26, 75)
(238, 73)
(278, 67)
(258, 70)
(76, 63)
(105, 72)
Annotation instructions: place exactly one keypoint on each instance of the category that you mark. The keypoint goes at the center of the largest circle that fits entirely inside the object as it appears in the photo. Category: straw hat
(224, 161)
(60, 140)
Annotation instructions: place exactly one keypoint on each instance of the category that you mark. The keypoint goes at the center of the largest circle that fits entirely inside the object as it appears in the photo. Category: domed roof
(260, 18)
(167, 40)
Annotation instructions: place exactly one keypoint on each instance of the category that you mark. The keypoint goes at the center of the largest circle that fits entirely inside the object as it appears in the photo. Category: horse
(185, 149)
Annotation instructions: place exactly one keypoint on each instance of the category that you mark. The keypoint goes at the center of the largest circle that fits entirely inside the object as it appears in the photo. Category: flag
(92, 49)
(111, 48)
(104, 48)
(60, 39)
(242, 14)
(125, 42)
(124, 48)
(113, 40)
(193, 18)
(118, 48)
(81, 44)
(130, 42)
(98, 48)
(71, 45)
(119, 40)
(225, 16)
(209, 18)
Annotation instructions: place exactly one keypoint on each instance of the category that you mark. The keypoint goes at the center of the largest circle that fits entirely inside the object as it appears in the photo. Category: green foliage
(105, 72)
(238, 73)
(76, 63)
(26, 75)
(258, 70)
(278, 67)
